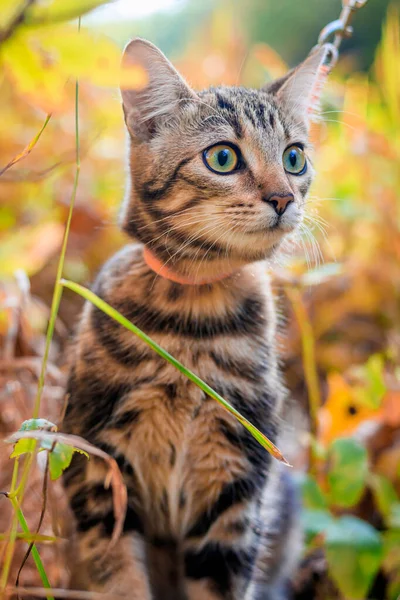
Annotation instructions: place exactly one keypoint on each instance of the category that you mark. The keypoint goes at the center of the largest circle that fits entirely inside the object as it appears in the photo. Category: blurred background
(339, 293)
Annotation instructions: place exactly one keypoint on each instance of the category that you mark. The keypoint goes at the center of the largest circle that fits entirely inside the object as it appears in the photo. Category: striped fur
(210, 515)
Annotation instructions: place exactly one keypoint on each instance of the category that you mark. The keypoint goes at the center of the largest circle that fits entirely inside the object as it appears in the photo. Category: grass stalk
(8, 555)
(31, 538)
(35, 552)
(114, 314)
(19, 492)
(58, 287)
(12, 532)
(16, 493)
(309, 360)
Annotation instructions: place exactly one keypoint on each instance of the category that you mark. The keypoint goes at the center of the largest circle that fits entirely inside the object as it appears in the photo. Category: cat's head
(218, 177)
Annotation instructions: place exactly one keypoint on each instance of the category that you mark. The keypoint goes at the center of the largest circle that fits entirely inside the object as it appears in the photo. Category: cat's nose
(280, 203)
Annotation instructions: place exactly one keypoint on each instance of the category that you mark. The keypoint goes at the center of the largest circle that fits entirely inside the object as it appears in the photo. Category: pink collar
(158, 267)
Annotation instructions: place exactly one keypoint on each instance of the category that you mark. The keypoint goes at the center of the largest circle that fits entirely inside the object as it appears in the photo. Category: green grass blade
(114, 314)
(58, 288)
(35, 552)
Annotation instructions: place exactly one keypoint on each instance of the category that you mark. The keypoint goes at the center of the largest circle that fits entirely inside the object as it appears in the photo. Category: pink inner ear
(315, 95)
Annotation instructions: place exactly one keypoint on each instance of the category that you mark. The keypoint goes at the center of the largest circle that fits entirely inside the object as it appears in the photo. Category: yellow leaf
(30, 248)
(35, 76)
(343, 412)
(86, 55)
(54, 11)
(9, 10)
(40, 61)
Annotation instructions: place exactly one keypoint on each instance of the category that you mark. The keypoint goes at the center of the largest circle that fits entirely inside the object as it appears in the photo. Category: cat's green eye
(222, 159)
(294, 160)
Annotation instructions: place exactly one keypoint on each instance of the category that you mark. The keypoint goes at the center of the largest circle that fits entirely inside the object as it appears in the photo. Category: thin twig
(28, 148)
(43, 511)
(31, 175)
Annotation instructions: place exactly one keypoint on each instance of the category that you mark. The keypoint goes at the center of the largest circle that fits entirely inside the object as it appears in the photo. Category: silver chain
(341, 28)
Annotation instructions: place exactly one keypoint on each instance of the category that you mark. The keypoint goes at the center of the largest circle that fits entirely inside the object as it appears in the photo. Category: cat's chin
(279, 228)
(268, 237)
(285, 228)
(261, 244)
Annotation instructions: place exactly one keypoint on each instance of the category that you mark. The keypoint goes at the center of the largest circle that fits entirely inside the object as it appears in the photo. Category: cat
(217, 181)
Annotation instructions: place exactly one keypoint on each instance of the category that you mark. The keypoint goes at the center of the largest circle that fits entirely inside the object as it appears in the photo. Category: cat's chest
(177, 443)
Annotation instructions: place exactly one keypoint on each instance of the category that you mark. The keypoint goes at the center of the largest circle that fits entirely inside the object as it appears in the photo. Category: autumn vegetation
(61, 182)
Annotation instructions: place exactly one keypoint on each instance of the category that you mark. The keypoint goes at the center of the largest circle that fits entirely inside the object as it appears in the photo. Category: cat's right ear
(164, 92)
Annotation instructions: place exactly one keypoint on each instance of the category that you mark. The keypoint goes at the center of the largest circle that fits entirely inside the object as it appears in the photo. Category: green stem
(13, 532)
(24, 478)
(35, 552)
(114, 314)
(31, 538)
(9, 554)
(15, 474)
(58, 288)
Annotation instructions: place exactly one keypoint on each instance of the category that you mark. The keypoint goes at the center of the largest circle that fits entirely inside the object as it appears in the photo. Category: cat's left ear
(164, 92)
(300, 90)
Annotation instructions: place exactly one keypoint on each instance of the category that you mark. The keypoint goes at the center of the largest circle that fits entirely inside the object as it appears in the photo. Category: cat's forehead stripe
(230, 113)
(242, 107)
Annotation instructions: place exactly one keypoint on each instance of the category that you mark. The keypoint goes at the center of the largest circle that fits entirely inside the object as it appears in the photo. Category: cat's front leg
(218, 571)
(120, 571)
(219, 564)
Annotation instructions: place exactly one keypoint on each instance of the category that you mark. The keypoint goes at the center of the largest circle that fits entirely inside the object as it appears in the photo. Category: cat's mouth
(278, 226)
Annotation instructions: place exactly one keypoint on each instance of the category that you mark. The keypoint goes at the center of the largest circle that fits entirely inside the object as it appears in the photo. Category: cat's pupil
(293, 158)
(223, 156)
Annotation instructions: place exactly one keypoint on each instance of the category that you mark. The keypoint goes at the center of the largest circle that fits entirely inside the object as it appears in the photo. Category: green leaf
(318, 450)
(375, 378)
(55, 11)
(313, 496)
(394, 516)
(384, 494)
(35, 424)
(372, 393)
(59, 459)
(393, 591)
(391, 544)
(348, 472)
(354, 553)
(315, 521)
(60, 456)
(24, 446)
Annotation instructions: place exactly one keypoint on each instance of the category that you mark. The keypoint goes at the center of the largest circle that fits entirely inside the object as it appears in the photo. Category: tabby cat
(217, 180)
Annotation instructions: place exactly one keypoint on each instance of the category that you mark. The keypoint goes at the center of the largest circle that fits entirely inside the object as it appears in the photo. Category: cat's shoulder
(123, 265)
